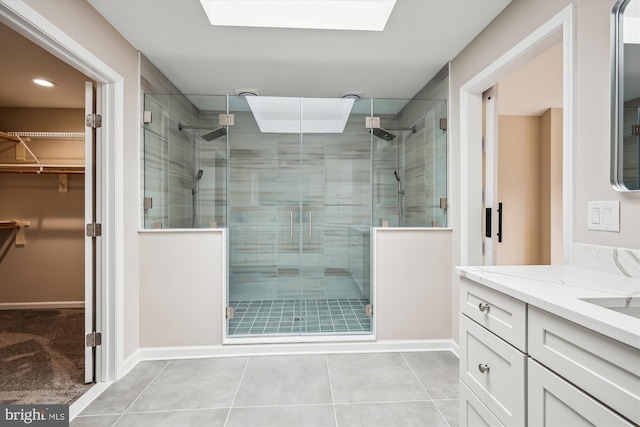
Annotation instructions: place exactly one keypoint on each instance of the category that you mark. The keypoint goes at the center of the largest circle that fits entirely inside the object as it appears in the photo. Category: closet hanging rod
(79, 135)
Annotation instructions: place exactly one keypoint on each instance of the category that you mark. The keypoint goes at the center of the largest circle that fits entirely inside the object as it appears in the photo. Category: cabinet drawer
(606, 369)
(501, 314)
(472, 412)
(501, 387)
(553, 402)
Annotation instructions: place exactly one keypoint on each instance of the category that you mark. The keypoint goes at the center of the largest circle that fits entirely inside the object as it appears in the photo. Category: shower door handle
(310, 227)
(291, 225)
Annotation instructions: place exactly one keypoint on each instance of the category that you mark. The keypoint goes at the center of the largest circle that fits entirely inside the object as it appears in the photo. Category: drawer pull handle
(484, 307)
(483, 368)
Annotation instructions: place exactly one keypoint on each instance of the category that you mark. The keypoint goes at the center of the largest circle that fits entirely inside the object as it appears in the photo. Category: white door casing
(490, 190)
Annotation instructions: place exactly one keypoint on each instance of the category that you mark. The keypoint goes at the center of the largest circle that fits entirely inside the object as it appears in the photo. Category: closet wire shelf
(73, 140)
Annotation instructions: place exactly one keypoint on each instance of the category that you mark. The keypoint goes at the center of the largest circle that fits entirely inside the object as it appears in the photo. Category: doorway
(557, 29)
(522, 152)
(43, 188)
(109, 194)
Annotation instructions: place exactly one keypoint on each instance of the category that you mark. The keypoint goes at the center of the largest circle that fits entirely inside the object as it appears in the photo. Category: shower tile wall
(424, 170)
(212, 159)
(168, 154)
(385, 186)
(169, 161)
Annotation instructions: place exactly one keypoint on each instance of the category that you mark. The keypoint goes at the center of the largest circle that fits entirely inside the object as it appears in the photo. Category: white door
(490, 223)
(90, 242)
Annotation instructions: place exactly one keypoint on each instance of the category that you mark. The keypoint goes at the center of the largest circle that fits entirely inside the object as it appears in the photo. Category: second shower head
(209, 136)
(383, 134)
(214, 134)
(388, 136)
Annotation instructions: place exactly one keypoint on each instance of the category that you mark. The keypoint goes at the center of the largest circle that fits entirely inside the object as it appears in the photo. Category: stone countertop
(560, 289)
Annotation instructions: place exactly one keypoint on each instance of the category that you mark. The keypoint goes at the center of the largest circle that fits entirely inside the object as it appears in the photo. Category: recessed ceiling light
(362, 15)
(43, 82)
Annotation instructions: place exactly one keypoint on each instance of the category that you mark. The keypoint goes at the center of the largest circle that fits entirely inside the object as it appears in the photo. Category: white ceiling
(421, 36)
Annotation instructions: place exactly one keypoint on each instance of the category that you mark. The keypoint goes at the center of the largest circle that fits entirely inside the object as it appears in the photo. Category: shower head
(396, 174)
(383, 134)
(199, 174)
(215, 134)
(210, 136)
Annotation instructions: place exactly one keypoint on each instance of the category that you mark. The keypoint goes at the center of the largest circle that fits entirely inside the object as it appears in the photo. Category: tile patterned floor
(323, 390)
(291, 316)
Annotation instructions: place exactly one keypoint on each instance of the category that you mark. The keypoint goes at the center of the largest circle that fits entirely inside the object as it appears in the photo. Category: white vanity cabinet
(523, 366)
(604, 368)
(492, 351)
(554, 402)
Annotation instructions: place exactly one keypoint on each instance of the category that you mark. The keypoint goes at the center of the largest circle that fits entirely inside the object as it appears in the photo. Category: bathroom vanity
(548, 346)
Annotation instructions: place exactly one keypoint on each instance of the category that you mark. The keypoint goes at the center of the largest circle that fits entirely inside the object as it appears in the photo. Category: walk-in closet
(42, 240)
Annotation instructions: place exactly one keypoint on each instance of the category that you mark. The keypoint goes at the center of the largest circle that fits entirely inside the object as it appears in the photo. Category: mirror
(625, 108)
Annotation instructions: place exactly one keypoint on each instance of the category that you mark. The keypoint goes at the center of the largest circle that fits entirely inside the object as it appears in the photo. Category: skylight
(360, 15)
(295, 115)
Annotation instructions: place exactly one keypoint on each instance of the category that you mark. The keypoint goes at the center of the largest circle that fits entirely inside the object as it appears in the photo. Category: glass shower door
(299, 217)
(336, 216)
(264, 218)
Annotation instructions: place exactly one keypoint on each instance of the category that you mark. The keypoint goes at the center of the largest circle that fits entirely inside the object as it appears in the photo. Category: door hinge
(94, 230)
(94, 120)
(231, 313)
(93, 339)
(372, 122)
(226, 119)
(368, 310)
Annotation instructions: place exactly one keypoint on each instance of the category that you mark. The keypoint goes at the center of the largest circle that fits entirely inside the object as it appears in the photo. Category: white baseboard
(46, 304)
(196, 352)
(129, 363)
(83, 401)
(455, 349)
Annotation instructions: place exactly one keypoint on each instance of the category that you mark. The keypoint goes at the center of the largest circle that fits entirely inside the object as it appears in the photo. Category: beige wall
(50, 267)
(592, 130)
(182, 274)
(87, 27)
(530, 188)
(412, 275)
(519, 175)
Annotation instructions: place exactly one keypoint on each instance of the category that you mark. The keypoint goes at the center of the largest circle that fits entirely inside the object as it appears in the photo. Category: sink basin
(629, 306)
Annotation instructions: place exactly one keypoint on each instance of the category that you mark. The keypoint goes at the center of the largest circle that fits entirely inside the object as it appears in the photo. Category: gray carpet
(42, 356)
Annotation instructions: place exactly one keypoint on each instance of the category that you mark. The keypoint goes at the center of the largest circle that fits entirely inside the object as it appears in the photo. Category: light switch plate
(603, 216)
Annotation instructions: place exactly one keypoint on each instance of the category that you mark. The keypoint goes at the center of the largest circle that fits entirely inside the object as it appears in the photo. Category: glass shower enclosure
(299, 183)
